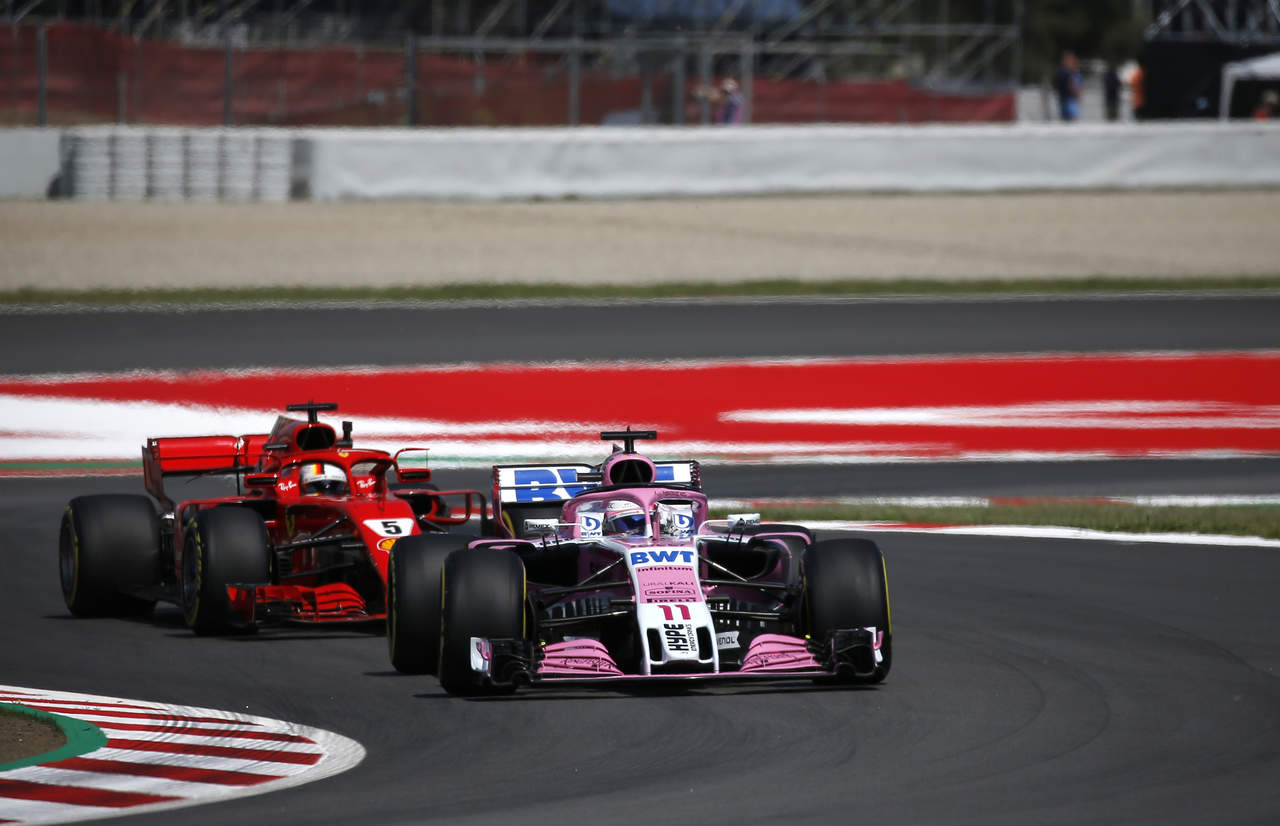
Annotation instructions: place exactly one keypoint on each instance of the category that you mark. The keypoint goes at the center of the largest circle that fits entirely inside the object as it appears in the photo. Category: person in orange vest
(1267, 105)
(1137, 98)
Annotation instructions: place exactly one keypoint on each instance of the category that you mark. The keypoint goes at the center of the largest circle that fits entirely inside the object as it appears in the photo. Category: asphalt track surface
(1036, 681)
(94, 340)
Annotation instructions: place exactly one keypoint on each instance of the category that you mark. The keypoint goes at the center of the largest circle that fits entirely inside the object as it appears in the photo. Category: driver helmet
(624, 518)
(319, 478)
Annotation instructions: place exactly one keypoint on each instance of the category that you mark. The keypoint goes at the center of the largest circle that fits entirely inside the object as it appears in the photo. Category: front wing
(333, 603)
(852, 652)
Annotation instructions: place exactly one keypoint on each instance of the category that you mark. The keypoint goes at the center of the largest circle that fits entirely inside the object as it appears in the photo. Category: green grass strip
(752, 289)
(82, 737)
(1231, 520)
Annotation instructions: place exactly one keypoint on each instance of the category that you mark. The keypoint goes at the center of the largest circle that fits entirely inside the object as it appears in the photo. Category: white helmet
(319, 478)
(624, 518)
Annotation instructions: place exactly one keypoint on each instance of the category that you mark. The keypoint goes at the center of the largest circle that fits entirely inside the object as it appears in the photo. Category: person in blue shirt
(1067, 82)
(731, 104)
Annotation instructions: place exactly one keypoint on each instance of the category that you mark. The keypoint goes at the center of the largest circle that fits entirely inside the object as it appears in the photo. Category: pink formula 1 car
(305, 537)
(614, 572)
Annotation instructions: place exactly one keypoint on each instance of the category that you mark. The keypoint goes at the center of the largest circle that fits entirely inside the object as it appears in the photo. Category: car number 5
(389, 527)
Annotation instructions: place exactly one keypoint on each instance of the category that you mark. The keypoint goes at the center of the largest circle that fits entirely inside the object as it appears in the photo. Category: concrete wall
(133, 163)
(646, 162)
(29, 162)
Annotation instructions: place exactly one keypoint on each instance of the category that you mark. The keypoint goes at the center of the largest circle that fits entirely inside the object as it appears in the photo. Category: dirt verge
(22, 736)
(77, 245)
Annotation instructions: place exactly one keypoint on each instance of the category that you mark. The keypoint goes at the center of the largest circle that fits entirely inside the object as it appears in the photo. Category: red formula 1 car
(615, 573)
(305, 538)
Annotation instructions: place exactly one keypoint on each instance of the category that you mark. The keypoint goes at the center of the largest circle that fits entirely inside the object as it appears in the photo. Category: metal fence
(64, 73)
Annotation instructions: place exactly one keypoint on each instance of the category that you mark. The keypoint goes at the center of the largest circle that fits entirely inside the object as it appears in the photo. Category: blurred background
(571, 62)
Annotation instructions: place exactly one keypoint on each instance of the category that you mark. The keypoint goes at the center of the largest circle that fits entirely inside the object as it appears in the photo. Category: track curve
(1036, 681)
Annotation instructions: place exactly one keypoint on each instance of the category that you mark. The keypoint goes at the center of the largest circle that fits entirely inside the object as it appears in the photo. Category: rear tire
(108, 545)
(846, 587)
(223, 545)
(484, 596)
(414, 574)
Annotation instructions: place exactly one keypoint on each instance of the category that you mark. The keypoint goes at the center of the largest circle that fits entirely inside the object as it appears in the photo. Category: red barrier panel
(101, 76)
(893, 101)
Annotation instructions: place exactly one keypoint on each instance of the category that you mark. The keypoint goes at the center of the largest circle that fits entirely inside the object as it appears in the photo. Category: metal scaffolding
(944, 43)
(1233, 22)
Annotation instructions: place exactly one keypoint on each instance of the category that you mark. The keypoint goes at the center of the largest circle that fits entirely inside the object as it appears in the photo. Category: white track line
(1046, 532)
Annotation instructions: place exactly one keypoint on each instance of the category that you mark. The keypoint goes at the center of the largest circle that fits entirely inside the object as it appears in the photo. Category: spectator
(1137, 91)
(1066, 83)
(1267, 105)
(726, 100)
(1111, 91)
(731, 104)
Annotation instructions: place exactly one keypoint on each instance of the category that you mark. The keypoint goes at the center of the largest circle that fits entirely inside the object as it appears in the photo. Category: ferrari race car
(305, 538)
(614, 573)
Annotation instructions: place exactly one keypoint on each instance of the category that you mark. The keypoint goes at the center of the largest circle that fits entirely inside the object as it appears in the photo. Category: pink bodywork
(673, 585)
(577, 658)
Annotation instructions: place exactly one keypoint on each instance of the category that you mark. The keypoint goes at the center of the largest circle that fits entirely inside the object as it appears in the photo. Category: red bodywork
(329, 552)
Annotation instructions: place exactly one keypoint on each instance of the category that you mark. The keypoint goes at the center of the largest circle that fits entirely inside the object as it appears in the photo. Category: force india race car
(613, 573)
(304, 539)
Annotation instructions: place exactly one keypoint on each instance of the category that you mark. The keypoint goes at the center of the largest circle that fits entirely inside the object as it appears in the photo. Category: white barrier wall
(130, 163)
(29, 162)
(631, 162)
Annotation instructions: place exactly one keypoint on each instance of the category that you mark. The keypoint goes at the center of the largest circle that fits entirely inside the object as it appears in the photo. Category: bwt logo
(590, 526)
(548, 484)
(646, 557)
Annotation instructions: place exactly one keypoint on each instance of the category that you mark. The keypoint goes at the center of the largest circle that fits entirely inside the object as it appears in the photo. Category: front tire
(108, 544)
(223, 546)
(846, 587)
(484, 596)
(414, 574)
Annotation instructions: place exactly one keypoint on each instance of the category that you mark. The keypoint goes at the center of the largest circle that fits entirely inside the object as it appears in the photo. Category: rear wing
(198, 455)
(521, 492)
(545, 484)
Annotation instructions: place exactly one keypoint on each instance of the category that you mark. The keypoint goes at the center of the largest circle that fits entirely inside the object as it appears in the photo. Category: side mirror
(261, 480)
(738, 520)
(411, 465)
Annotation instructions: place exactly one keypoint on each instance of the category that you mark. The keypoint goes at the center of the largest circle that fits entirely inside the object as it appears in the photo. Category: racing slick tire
(846, 587)
(483, 596)
(108, 544)
(414, 572)
(223, 546)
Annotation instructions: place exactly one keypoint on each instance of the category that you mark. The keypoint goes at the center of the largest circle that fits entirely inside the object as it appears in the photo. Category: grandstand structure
(557, 62)
(1234, 22)
(537, 62)
(1188, 42)
(954, 42)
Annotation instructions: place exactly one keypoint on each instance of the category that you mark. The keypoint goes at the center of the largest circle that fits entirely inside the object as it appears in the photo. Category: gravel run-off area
(22, 736)
(83, 245)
